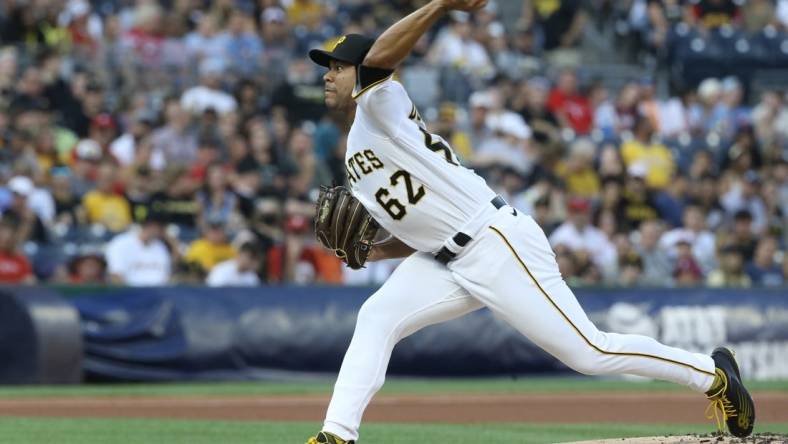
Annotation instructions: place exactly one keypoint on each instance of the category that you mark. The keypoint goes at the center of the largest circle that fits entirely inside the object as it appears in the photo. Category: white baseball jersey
(409, 180)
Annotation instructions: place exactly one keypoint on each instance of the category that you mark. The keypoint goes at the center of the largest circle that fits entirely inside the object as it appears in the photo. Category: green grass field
(100, 431)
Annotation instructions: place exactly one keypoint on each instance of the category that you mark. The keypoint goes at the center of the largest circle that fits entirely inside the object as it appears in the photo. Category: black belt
(444, 255)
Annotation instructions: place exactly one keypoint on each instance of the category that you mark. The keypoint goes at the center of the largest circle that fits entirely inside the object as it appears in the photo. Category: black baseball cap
(350, 48)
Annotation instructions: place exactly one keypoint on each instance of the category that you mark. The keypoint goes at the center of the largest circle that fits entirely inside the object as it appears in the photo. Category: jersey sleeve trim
(367, 77)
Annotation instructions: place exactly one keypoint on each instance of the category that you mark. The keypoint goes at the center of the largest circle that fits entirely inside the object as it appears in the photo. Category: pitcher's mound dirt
(690, 439)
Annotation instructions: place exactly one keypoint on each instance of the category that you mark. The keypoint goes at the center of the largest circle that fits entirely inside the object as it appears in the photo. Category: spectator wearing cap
(104, 205)
(212, 247)
(655, 157)
(480, 103)
(570, 105)
(175, 142)
(209, 94)
(744, 195)
(508, 146)
(578, 170)
(38, 196)
(731, 271)
(84, 166)
(84, 27)
(578, 235)
(702, 114)
(29, 224)
(240, 271)
(139, 256)
(694, 232)
(15, 268)
(764, 270)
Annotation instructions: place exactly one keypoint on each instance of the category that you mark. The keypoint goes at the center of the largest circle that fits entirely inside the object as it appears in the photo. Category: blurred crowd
(182, 142)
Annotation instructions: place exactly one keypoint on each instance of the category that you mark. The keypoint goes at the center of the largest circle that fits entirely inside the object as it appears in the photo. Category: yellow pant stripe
(587, 341)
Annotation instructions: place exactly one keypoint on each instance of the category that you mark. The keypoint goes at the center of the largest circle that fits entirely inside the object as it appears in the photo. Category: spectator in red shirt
(571, 107)
(14, 266)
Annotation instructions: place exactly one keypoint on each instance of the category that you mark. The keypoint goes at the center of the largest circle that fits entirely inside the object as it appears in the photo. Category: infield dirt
(678, 408)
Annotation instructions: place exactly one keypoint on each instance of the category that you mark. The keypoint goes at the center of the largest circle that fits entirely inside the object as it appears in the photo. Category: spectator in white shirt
(455, 47)
(241, 271)
(139, 257)
(580, 236)
(124, 148)
(509, 145)
(208, 94)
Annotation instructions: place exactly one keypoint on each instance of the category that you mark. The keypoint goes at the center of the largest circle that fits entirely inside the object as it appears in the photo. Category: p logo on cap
(337, 43)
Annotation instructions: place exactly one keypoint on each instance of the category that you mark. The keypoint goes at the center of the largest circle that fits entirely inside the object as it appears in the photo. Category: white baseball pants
(510, 268)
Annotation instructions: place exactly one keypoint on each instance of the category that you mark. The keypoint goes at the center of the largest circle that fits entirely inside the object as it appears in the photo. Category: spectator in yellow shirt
(105, 206)
(304, 12)
(212, 248)
(656, 157)
(577, 170)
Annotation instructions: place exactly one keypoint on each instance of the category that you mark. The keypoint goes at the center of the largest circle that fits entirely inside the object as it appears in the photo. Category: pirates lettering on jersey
(423, 194)
(360, 160)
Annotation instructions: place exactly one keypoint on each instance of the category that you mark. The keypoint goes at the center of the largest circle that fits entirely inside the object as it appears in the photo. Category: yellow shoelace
(312, 440)
(720, 404)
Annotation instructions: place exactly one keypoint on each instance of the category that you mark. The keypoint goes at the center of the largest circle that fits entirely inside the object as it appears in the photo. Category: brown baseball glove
(344, 226)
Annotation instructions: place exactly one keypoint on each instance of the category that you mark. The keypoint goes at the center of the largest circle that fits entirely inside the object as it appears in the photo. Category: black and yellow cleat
(729, 397)
(327, 438)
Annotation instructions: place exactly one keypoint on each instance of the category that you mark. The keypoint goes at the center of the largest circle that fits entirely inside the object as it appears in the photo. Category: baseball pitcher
(466, 247)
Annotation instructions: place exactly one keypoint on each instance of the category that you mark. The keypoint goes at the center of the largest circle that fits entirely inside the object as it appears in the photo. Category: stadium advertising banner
(201, 333)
